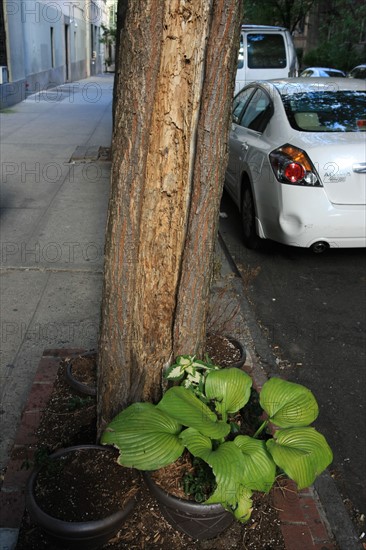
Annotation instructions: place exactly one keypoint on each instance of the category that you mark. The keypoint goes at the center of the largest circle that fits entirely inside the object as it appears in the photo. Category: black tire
(250, 237)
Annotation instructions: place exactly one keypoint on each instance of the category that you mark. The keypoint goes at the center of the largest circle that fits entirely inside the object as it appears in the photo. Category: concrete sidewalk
(54, 196)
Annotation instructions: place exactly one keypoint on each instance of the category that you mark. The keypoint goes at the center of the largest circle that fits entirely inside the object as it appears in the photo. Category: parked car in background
(265, 52)
(322, 72)
(358, 72)
(297, 162)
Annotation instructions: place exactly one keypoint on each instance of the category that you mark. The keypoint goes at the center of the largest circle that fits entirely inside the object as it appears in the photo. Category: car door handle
(245, 146)
(360, 168)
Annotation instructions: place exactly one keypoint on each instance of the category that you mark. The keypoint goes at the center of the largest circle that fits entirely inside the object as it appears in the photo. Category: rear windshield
(326, 111)
(359, 72)
(266, 51)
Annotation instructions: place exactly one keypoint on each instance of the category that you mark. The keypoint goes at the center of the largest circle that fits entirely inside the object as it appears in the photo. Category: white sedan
(297, 162)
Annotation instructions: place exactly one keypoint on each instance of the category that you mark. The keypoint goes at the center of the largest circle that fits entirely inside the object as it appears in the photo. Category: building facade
(46, 43)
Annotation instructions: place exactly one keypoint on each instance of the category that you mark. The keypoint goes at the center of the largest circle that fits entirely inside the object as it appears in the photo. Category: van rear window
(266, 51)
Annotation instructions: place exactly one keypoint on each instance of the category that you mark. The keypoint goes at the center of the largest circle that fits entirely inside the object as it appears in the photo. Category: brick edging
(19, 466)
(303, 523)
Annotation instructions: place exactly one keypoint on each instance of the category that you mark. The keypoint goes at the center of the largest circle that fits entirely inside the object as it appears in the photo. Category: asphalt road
(311, 310)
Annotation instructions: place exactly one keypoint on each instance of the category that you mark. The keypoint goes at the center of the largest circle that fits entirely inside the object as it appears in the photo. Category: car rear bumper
(308, 218)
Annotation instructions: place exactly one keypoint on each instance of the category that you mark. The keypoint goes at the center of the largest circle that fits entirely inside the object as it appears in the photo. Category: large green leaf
(199, 445)
(148, 439)
(229, 388)
(288, 404)
(182, 405)
(226, 461)
(244, 506)
(259, 469)
(302, 453)
(228, 465)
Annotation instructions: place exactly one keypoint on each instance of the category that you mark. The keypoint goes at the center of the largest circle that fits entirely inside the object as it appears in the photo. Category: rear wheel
(250, 237)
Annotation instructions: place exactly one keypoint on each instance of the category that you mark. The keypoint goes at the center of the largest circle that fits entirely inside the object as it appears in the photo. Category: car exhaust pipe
(319, 247)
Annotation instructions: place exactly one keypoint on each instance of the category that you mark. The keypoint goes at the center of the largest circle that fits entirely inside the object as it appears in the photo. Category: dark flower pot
(238, 363)
(199, 521)
(88, 535)
(74, 382)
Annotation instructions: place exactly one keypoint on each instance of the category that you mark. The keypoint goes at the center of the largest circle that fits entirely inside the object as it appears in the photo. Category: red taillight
(294, 172)
(292, 165)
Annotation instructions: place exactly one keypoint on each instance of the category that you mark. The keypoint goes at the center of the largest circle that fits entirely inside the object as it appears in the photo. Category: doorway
(67, 54)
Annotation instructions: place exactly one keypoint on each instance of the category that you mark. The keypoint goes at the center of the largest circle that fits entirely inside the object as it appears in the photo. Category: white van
(265, 52)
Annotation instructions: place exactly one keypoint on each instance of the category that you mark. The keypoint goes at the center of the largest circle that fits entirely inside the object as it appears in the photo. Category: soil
(85, 480)
(221, 350)
(69, 419)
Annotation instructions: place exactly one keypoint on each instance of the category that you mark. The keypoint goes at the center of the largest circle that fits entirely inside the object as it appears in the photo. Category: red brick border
(12, 495)
(302, 522)
(301, 519)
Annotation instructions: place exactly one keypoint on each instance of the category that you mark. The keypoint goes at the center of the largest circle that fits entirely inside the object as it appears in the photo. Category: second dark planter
(199, 521)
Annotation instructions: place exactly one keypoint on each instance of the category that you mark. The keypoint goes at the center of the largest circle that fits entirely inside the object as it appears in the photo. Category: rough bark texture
(175, 81)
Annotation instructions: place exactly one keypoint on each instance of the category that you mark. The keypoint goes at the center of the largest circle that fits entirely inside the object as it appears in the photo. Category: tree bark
(176, 75)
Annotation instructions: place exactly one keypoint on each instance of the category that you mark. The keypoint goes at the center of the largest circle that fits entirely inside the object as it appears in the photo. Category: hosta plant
(150, 436)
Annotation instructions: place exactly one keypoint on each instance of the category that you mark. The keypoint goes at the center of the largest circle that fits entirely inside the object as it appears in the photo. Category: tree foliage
(108, 36)
(287, 13)
(341, 43)
(339, 24)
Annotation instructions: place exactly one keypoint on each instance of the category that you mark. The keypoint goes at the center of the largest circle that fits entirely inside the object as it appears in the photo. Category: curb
(303, 522)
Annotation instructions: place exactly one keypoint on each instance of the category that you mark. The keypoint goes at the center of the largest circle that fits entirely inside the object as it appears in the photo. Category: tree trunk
(176, 73)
